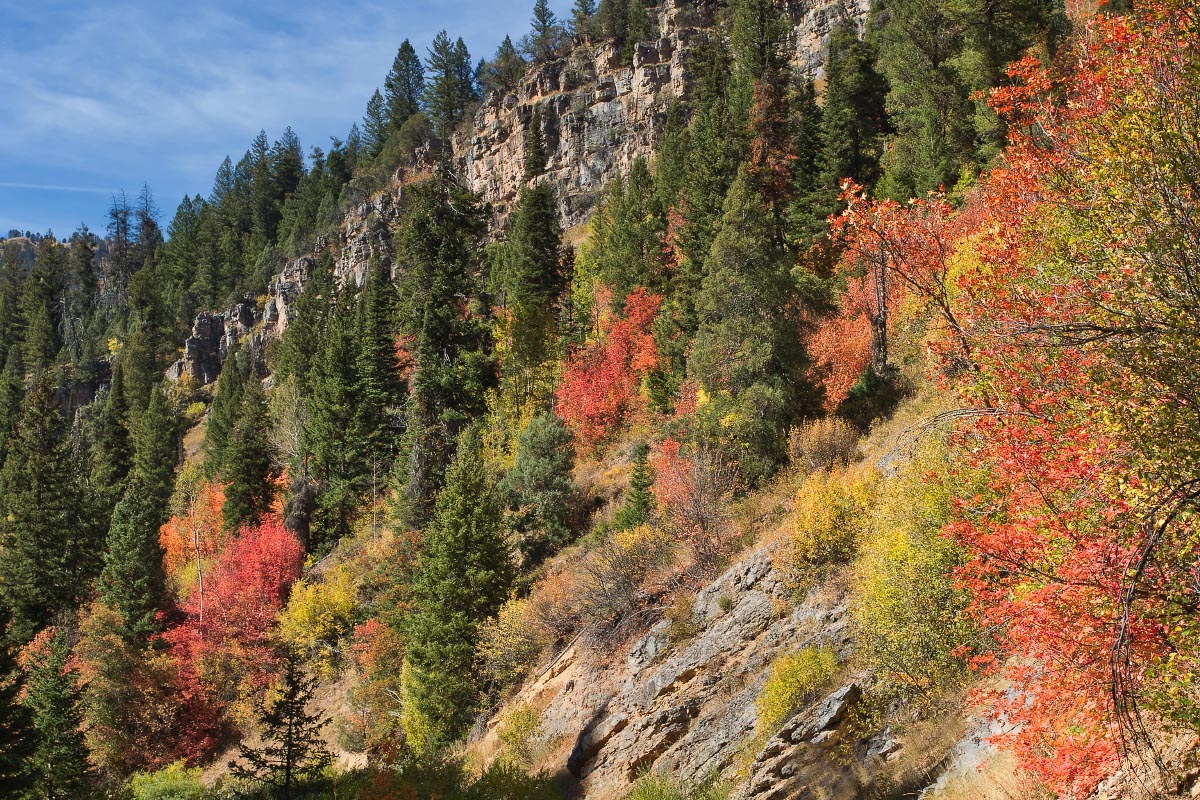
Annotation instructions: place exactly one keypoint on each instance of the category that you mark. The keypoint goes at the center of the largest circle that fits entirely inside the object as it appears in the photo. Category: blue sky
(98, 97)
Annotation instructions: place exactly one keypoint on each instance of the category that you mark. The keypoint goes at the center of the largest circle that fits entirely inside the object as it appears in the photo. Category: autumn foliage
(1059, 304)
(223, 645)
(601, 383)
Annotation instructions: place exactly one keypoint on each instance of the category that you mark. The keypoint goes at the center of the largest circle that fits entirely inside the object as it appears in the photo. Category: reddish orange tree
(601, 382)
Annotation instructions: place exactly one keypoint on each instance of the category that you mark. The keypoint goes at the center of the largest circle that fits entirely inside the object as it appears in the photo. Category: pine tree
(449, 84)
(292, 751)
(48, 537)
(378, 389)
(222, 416)
(582, 18)
(59, 764)
(806, 175)
(539, 489)
(16, 725)
(404, 86)
(132, 581)
(464, 575)
(546, 37)
(375, 126)
(535, 147)
(247, 462)
(639, 502)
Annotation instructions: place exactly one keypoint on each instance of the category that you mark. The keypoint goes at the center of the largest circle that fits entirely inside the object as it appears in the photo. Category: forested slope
(858, 425)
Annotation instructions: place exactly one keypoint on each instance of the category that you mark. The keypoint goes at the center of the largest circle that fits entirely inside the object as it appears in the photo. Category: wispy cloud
(127, 91)
(46, 187)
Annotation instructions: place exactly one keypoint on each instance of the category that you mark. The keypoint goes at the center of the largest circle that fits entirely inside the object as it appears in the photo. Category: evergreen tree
(748, 355)
(378, 389)
(48, 537)
(293, 751)
(806, 173)
(246, 462)
(639, 502)
(449, 84)
(539, 490)
(16, 725)
(582, 18)
(156, 449)
(223, 414)
(504, 70)
(853, 122)
(438, 242)
(132, 581)
(535, 147)
(60, 767)
(464, 575)
(404, 86)
(335, 442)
(758, 37)
(12, 390)
(375, 126)
(546, 37)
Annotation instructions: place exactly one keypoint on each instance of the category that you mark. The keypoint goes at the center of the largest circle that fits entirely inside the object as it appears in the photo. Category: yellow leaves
(318, 614)
(829, 511)
(794, 677)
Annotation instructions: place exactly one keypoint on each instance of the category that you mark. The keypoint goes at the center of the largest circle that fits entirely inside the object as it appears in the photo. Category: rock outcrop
(600, 114)
(687, 708)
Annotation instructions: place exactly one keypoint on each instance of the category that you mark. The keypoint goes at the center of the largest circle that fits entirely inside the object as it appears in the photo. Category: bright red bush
(601, 381)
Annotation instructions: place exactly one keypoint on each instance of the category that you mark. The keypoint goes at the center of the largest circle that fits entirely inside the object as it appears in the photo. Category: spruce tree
(505, 69)
(758, 38)
(49, 548)
(16, 725)
(539, 490)
(546, 36)
(464, 575)
(292, 751)
(747, 354)
(378, 389)
(335, 442)
(223, 414)
(639, 502)
(582, 18)
(12, 390)
(853, 122)
(404, 86)
(247, 462)
(438, 242)
(156, 448)
(375, 125)
(59, 763)
(449, 84)
(132, 581)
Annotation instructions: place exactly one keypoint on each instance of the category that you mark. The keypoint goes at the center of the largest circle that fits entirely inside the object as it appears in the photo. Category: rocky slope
(687, 710)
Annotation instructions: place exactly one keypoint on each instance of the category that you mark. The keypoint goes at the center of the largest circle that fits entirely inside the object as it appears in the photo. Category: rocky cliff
(599, 114)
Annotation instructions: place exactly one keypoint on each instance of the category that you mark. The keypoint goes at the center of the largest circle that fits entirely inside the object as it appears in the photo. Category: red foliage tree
(223, 646)
(601, 382)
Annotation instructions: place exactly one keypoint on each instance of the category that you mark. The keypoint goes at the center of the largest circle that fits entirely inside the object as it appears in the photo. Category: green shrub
(176, 782)
(794, 678)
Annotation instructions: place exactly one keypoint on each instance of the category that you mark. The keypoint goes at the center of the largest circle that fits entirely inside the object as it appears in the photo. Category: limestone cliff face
(599, 115)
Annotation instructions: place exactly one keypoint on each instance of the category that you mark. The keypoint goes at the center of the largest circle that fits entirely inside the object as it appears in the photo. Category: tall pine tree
(464, 575)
